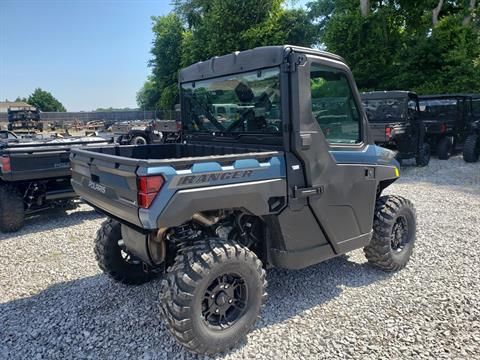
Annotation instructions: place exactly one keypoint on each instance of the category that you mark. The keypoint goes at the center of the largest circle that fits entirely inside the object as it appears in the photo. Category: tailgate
(377, 132)
(37, 165)
(107, 184)
(438, 126)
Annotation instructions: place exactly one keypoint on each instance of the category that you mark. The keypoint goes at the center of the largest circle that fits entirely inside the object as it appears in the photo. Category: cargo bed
(107, 176)
(39, 160)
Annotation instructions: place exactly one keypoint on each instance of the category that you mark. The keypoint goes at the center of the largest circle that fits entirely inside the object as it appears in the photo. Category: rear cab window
(246, 103)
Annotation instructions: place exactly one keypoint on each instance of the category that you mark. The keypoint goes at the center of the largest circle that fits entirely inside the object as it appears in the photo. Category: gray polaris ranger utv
(288, 179)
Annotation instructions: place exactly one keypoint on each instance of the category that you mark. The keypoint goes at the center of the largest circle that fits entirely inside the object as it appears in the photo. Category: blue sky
(87, 53)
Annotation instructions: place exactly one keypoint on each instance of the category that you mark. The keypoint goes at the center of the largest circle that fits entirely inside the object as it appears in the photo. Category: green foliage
(444, 61)
(45, 101)
(160, 89)
(221, 26)
(397, 46)
(200, 29)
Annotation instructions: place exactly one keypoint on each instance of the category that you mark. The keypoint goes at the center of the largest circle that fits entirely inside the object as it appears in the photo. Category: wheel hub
(224, 301)
(399, 234)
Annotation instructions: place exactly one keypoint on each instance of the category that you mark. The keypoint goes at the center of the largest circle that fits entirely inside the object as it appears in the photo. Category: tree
(403, 44)
(45, 101)
(284, 27)
(469, 13)
(200, 29)
(160, 89)
(365, 7)
(436, 12)
(219, 27)
(19, 99)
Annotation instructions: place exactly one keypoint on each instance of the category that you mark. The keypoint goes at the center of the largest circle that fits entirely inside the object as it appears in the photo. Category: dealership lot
(55, 303)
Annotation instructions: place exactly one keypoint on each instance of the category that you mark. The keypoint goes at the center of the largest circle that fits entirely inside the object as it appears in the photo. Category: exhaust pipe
(202, 219)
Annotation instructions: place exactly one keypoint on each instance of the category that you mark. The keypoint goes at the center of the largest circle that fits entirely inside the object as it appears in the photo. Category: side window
(333, 105)
(412, 108)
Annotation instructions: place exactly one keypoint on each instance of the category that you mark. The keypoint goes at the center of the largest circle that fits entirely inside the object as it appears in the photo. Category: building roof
(4, 105)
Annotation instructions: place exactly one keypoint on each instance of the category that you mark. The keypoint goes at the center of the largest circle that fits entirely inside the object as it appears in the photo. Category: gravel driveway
(55, 303)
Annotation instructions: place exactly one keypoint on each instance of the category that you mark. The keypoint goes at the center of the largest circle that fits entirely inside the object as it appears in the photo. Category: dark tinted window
(242, 103)
(439, 108)
(389, 109)
(476, 106)
(333, 105)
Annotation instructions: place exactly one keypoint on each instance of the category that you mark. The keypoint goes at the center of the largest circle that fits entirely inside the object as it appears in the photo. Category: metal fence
(115, 116)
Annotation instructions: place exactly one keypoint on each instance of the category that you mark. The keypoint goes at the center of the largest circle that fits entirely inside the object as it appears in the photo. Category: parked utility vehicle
(24, 118)
(292, 182)
(446, 118)
(471, 148)
(155, 132)
(395, 124)
(34, 176)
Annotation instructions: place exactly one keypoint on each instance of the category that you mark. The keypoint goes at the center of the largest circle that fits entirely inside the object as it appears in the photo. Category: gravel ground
(55, 303)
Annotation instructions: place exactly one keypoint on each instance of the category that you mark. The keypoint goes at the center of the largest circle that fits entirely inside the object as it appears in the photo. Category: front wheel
(114, 259)
(212, 295)
(394, 229)
(471, 148)
(423, 156)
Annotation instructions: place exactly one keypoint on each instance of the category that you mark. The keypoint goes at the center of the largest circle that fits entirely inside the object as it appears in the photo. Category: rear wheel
(423, 156)
(471, 148)
(444, 148)
(212, 295)
(138, 140)
(114, 259)
(394, 228)
(12, 211)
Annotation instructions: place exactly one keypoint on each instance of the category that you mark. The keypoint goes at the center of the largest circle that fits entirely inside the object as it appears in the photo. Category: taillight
(148, 188)
(443, 128)
(179, 126)
(5, 162)
(388, 132)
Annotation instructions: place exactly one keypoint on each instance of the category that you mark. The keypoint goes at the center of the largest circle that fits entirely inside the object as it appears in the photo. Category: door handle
(302, 193)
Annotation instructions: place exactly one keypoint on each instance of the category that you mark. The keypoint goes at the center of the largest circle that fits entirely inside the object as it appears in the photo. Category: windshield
(385, 109)
(476, 106)
(439, 108)
(242, 103)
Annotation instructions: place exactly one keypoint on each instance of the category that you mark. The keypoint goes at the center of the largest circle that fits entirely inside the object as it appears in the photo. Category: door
(415, 131)
(330, 139)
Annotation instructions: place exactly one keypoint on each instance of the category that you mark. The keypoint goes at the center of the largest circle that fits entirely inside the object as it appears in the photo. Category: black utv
(24, 118)
(471, 148)
(446, 118)
(395, 124)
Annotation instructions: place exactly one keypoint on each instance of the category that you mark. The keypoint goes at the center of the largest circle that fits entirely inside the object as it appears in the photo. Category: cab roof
(248, 60)
(444, 96)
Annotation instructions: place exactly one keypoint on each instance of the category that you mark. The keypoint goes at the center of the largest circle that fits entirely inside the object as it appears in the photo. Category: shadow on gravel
(293, 292)
(53, 219)
(94, 317)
